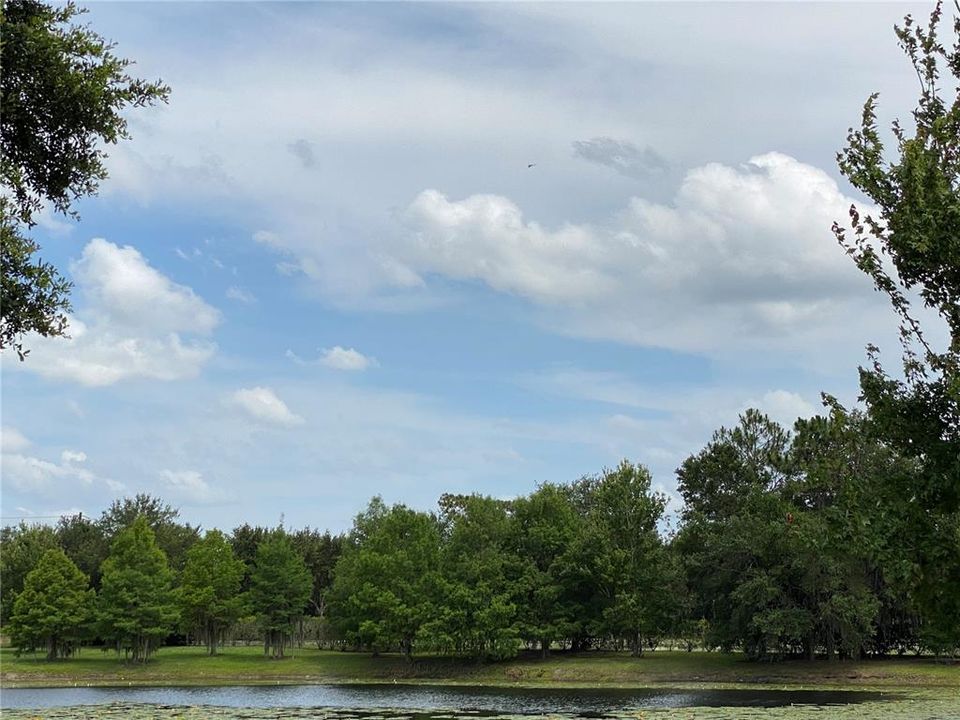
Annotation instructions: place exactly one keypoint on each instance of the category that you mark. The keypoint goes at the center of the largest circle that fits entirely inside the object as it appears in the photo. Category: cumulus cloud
(742, 253)
(783, 406)
(12, 440)
(189, 486)
(72, 456)
(34, 475)
(263, 404)
(340, 358)
(621, 155)
(131, 325)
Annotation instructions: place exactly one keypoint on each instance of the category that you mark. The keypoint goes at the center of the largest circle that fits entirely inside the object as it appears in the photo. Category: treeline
(819, 541)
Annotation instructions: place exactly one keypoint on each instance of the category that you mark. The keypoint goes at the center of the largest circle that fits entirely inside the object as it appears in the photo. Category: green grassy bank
(247, 665)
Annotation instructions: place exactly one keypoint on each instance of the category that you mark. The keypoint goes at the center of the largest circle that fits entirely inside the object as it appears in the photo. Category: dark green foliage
(84, 542)
(137, 605)
(21, 548)
(632, 568)
(917, 227)
(172, 537)
(473, 613)
(210, 598)
(33, 295)
(320, 552)
(63, 92)
(53, 610)
(545, 525)
(381, 595)
(279, 591)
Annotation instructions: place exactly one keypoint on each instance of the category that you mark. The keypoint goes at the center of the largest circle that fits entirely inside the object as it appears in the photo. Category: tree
(63, 93)
(381, 596)
(210, 598)
(174, 538)
(545, 524)
(137, 603)
(53, 609)
(633, 568)
(23, 545)
(280, 587)
(473, 613)
(917, 226)
(33, 295)
(83, 541)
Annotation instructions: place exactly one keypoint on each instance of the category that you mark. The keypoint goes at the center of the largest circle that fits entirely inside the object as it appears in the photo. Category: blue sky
(325, 270)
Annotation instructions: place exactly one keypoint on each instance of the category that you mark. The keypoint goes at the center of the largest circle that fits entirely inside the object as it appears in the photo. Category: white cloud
(743, 254)
(337, 358)
(68, 457)
(131, 325)
(340, 358)
(263, 404)
(37, 476)
(783, 406)
(190, 487)
(124, 289)
(240, 295)
(12, 440)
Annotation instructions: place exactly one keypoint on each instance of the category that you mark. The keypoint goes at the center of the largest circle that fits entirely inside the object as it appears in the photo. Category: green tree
(33, 295)
(137, 603)
(63, 93)
(633, 566)
(22, 547)
(83, 541)
(54, 608)
(210, 598)
(544, 526)
(917, 227)
(280, 587)
(381, 594)
(173, 537)
(473, 612)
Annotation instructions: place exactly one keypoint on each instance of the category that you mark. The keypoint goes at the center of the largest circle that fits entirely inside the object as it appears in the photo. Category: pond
(469, 701)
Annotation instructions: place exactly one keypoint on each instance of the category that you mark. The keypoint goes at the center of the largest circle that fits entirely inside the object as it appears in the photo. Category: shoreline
(246, 666)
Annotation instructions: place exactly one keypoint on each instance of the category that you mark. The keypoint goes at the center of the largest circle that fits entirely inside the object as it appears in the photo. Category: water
(478, 701)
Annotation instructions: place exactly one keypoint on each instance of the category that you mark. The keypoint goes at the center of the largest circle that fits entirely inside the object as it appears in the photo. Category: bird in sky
(530, 165)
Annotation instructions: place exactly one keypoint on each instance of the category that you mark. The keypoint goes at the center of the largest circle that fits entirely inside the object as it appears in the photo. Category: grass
(925, 690)
(247, 666)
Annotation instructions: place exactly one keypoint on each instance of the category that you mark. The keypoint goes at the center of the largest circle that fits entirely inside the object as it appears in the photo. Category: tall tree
(382, 581)
(22, 547)
(63, 93)
(280, 587)
(916, 190)
(173, 537)
(137, 605)
(544, 526)
(624, 512)
(54, 608)
(210, 598)
(84, 542)
(473, 611)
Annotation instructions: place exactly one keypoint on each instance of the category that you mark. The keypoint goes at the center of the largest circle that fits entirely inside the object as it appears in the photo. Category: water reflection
(465, 701)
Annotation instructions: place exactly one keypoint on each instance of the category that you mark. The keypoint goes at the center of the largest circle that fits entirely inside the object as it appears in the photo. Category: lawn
(247, 665)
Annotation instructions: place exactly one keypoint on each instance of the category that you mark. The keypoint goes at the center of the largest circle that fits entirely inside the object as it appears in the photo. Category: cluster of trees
(136, 577)
(789, 544)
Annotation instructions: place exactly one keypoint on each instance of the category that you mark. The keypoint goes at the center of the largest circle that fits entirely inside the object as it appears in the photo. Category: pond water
(465, 700)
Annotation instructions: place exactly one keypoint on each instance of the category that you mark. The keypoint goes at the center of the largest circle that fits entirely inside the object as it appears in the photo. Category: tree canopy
(63, 91)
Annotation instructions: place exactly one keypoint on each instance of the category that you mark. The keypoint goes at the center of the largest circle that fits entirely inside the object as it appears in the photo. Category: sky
(408, 249)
